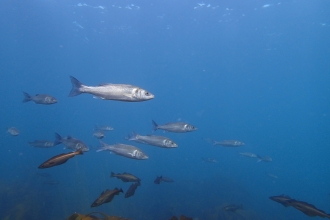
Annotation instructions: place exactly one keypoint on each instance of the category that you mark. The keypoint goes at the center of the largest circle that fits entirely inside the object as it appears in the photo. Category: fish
(13, 131)
(158, 180)
(229, 143)
(106, 196)
(272, 175)
(247, 154)
(178, 127)
(209, 160)
(42, 143)
(70, 142)
(118, 92)
(131, 190)
(124, 150)
(103, 128)
(99, 134)
(154, 140)
(60, 159)
(40, 99)
(264, 159)
(306, 208)
(126, 177)
(282, 199)
(232, 208)
(166, 179)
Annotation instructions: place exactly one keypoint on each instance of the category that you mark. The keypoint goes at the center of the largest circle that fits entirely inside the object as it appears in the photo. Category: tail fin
(76, 87)
(27, 97)
(155, 125)
(58, 139)
(131, 137)
(102, 147)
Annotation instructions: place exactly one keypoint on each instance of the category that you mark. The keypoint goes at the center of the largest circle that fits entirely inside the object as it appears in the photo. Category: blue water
(255, 71)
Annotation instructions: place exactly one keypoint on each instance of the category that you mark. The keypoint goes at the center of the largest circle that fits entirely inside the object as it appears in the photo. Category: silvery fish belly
(128, 151)
(178, 127)
(154, 140)
(124, 150)
(119, 92)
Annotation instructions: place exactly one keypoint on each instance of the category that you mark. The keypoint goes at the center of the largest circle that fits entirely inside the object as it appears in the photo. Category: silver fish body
(229, 143)
(154, 140)
(99, 134)
(248, 154)
(13, 131)
(40, 99)
(71, 143)
(124, 150)
(119, 92)
(42, 143)
(103, 128)
(178, 127)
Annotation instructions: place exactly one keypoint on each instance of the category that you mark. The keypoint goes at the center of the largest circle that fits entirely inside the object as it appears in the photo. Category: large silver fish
(154, 140)
(124, 150)
(40, 99)
(71, 143)
(178, 127)
(119, 92)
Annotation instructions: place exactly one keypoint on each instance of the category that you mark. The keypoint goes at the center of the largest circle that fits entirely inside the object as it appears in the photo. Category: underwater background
(256, 71)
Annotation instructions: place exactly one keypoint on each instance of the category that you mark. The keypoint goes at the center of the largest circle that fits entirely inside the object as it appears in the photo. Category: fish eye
(146, 93)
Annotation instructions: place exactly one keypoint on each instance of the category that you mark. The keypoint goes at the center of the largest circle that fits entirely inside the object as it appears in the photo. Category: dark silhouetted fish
(42, 143)
(118, 92)
(126, 177)
(232, 208)
(40, 99)
(158, 180)
(130, 192)
(124, 150)
(71, 142)
(154, 140)
(304, 207)
(106, 196)
(166, 179)
(308, 209)
(229, 143)
(178, 127)
(13, 131)
(283, 199)
(59, 159)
